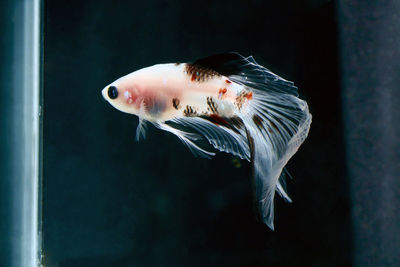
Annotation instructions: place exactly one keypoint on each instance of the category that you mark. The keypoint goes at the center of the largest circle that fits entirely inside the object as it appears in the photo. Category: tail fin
(276, 120)
(277, 124)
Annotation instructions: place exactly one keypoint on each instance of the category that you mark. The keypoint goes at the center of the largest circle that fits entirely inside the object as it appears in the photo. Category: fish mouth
(104, 93)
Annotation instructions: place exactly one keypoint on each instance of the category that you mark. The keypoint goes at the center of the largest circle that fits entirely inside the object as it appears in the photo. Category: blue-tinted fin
(281, 186)
(187, 138)
(141, 130)
(277, 124)
(226, 138)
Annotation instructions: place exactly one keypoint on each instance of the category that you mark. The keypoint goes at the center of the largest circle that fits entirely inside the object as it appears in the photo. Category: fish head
(124, 95)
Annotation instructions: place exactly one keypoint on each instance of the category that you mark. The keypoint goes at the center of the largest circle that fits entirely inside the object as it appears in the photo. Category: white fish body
(239, 106)
(157, 86)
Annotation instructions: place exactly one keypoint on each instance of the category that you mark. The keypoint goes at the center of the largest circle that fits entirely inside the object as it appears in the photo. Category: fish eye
(112, 92)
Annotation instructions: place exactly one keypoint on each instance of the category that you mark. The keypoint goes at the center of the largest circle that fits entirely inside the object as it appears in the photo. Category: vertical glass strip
(20, 133)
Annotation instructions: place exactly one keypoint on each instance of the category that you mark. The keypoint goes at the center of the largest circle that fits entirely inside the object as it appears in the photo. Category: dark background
(110, 201)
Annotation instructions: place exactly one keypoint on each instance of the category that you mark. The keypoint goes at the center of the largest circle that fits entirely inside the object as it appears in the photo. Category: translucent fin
(186, 138)
(246, 71)
(281, 186)
(141, 130)
(220, 137)
(277, 125)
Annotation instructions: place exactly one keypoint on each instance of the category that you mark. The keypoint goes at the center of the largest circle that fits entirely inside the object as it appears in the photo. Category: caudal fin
(277, 125)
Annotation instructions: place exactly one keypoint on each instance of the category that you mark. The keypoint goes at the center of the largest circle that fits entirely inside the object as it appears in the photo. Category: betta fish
(237, 105)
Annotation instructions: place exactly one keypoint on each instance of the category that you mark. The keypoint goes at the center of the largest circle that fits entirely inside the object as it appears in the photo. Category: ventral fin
(141, 130)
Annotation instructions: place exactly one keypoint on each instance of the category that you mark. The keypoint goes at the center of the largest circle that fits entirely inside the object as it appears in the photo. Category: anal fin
(221, 134)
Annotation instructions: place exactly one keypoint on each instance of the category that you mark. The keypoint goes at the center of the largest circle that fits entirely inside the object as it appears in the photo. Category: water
(110, 201)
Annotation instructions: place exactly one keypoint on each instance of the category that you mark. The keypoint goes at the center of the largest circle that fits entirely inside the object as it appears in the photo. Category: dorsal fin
(222, 63)
(246, 71)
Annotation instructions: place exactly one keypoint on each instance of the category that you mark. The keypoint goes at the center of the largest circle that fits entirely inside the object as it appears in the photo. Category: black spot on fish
(258, 121)
(189, 111)
(218, 120)
(250, 140)
(237, 122)
(198, 73)
(242, 97)
(233, 123)
(175, 103)
(274, 125)
(212, 106)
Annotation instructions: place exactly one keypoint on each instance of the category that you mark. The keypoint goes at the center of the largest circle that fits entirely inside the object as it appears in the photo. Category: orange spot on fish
(228, 81)
(222, 92)
(193, 77)
(249, 95)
